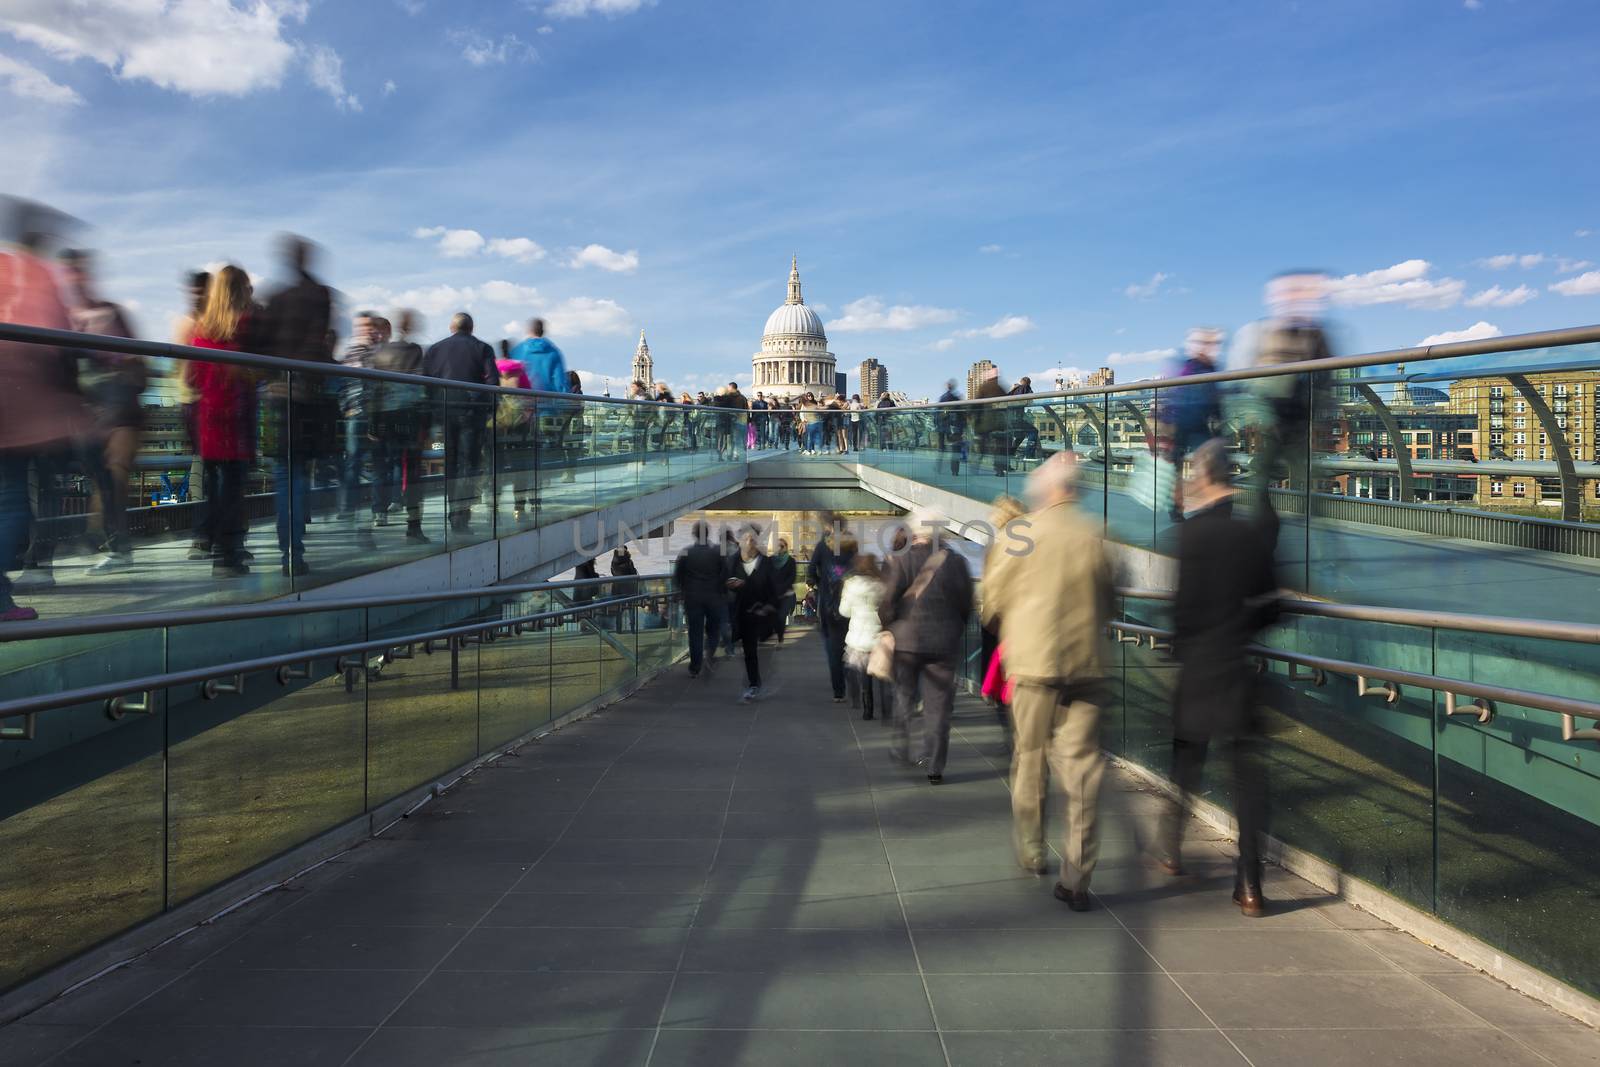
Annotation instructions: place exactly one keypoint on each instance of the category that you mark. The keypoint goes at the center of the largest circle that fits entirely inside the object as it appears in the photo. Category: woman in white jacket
(858, 601)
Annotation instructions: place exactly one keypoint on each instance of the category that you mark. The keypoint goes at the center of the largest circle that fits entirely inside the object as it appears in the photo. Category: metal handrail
(1453, 687)
(107, 691)
(1506, 626)
(39, 335)
(165, 350)
(42, 628)
(1574, 335)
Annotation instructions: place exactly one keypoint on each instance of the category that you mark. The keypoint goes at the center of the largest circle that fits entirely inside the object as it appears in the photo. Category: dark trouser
(225, 521)
(751, 630)
(780, 624)
(113, 469)
(833, 632)
(15, 515)
(936, 678)
(463, 461)
(356, 448)
(706, 620)
(1286, 441)
(291, 482)
(396, 464)
(1249, 793)
(997, 443)
(859, 683)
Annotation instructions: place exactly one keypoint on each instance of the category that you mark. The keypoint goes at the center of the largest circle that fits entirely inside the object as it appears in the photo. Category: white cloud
(592, 381)
(870, 313)
(586, 315)
(990, 250)
(1050, 374)
(1005, 326)
(500, 292)
(1512, 259)
(1583, 285)
(199, 47)
(31, 83)
(482, 51)
(577, 9)
(389, 87)
(1472, 5)
(1568, 266)
(326, 71)
(1496, 297)
(1149, 355)
(604, 258)
(1146, 290)
(1404, 283)
(1582, 233)
(521, 249)
(458, 244)
(546, 29)
(1476, 332)
(433, 300)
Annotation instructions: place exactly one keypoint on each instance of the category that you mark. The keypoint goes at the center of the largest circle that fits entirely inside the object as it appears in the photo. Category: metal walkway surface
(682, 879)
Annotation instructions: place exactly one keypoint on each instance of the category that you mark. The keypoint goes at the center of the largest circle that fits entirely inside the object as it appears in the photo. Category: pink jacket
(40, 405)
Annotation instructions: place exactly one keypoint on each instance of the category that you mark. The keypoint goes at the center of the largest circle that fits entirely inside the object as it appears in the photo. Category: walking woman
(858, 602)
(784, 573)
(226, 417)
(755, 603)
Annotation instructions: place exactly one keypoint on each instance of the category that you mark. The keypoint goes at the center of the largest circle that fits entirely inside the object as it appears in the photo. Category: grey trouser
(934, 677)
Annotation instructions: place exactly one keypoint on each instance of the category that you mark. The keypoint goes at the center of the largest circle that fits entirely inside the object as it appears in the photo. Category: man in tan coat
(1052, 599)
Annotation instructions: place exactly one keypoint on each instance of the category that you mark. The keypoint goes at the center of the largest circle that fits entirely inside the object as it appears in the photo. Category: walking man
(461, 357)
(1226, 593)
(927, 600)
(701, 574)
(1052, 599)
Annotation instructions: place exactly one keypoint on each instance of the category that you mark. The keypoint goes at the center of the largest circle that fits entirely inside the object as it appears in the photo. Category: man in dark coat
(461, 357)
(927, 599)
(701, 574)
(1226, 593)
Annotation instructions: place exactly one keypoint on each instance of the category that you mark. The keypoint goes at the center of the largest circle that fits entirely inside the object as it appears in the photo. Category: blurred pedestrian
(859, 602)
(1226, 593)
(1288, 408)
(755, 601)
(784, 572)
(302, 412)
(927, 599)
(990, 422)
(114, 385)
(461, 357)
(701, 576)
(1191, 413)
(827, 575)
(513, 446)
(226, 418)
(41, 410)
(367, 335)
(1006, 510)
(400, 418)
(1051, 603)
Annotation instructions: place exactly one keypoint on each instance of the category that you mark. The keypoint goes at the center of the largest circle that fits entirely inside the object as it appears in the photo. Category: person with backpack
(1286, 405)
(927, 599)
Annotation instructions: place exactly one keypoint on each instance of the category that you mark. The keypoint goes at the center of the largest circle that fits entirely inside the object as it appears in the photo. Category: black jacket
(784, 576)
(1225, 586)
(700, 572)
(757, 597)
(461, 357)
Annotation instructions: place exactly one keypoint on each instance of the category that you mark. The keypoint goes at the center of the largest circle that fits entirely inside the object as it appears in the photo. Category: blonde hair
(227, 303)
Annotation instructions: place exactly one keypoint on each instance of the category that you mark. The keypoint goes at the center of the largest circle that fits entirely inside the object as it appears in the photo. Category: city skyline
(1165, 163)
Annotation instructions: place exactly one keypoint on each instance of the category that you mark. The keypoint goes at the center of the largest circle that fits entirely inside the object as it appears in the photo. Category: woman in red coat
(225, 418)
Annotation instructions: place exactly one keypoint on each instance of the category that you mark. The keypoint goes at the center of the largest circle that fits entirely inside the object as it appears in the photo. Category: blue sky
(1043, 184)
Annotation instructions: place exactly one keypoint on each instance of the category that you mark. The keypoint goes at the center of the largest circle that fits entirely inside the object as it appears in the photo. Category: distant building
(874, 380)
(841, 382)
(644, 368)
(1508, 429)
(1102, 377)
(794, 356)
(976, 374)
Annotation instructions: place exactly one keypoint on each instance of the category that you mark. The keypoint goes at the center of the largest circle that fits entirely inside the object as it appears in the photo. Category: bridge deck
(683, 879)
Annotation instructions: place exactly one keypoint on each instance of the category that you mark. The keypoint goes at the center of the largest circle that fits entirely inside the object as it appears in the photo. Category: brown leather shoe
(1251, 903)
(1169, 865)
(1034, 865)
(1076, 899)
